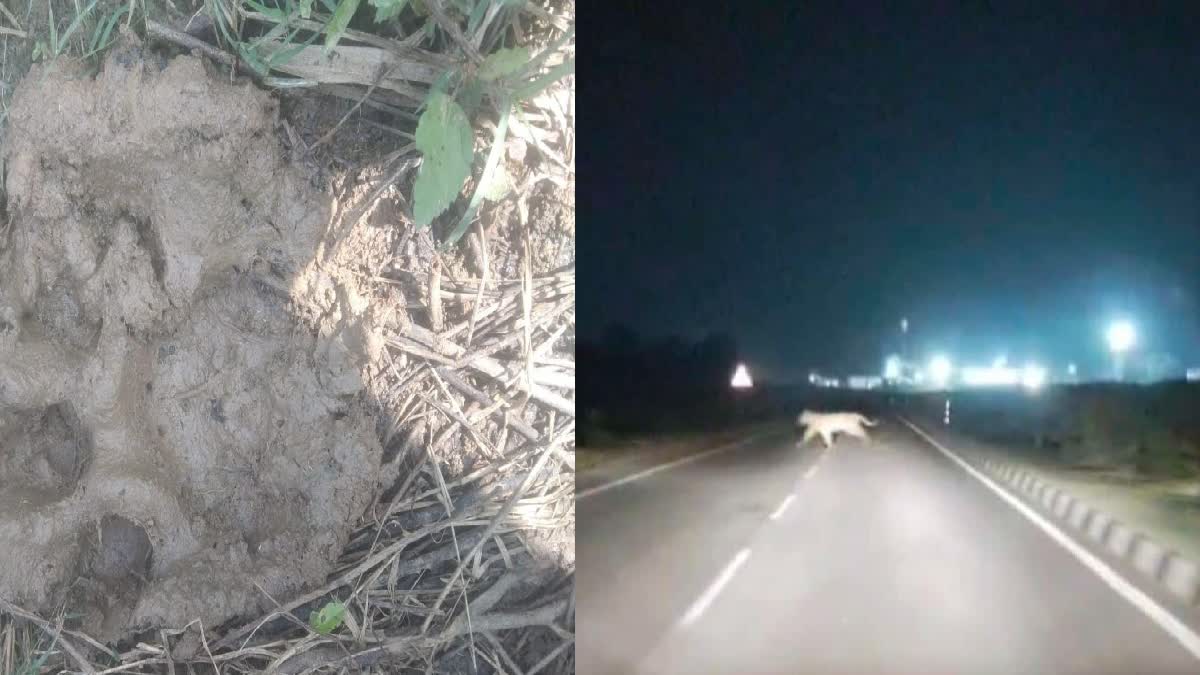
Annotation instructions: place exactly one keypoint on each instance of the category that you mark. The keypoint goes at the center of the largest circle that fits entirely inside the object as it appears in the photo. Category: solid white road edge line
(1144, 603)
(697, 609)
(783, 507)
(663, 467)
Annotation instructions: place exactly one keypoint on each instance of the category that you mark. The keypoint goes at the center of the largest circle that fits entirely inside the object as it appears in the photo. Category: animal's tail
(868, 421)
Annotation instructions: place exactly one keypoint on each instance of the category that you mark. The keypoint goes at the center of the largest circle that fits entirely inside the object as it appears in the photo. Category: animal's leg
(808, 434)
(827, 437)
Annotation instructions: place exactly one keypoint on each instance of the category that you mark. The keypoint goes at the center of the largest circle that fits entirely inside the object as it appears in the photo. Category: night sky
(802, 177)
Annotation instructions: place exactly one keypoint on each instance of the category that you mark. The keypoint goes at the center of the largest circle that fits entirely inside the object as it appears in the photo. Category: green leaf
(306, 9)
(445, 140)
(470, 97)
(221, 18)
(497, 186)
(275, 14)
(328, 619)
(104, 29)
(35, 667)
(535, 87)
(477, 16)
(503, 62)
(337, 25)
(485, 180)
(252, 59)
(387, 9)
(75, 24)
(440, 86)
(53, 30)
(285, 55)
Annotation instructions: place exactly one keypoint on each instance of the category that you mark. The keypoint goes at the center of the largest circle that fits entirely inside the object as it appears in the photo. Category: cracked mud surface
(174, 440)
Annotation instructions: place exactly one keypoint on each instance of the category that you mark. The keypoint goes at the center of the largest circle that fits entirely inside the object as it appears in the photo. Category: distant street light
(939, 371)
(741, 378)
(1033, 377)
(892, 367)
(1121, 338)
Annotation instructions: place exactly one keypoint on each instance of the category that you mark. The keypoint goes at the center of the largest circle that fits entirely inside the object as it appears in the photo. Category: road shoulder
(599, 467)
(1109, 524)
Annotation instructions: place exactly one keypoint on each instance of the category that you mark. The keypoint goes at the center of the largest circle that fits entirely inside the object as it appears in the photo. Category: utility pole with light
(1121, 338)
(742, 384)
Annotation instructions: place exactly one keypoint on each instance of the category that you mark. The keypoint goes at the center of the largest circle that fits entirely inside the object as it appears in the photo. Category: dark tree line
(630, 383)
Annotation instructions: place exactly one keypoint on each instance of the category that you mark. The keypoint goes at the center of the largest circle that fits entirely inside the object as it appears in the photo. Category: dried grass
(441, 573)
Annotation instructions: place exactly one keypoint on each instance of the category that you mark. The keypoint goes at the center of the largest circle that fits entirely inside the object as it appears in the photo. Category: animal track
(168, 449)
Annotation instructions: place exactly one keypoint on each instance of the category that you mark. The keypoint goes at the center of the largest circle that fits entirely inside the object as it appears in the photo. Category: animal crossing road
(886, 558)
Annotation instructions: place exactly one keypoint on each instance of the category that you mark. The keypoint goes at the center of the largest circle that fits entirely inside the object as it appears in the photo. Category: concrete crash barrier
(1178, 575)
(1024, 482)
(1182, 578)
(1078, 515)
(1148, 557)
(1120, 539)
(1049, 496)
(1039, 489)
(1098, 527)
(1062, 505)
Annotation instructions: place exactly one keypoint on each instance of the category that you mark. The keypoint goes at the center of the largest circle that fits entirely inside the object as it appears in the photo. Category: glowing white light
(1072, 370)
(813, 378)
(741, 378)
(1033, 377)
(993, 376)
(891, 367)
(864, 381)
(939, 370)
(1000, 362)
(1121, 336)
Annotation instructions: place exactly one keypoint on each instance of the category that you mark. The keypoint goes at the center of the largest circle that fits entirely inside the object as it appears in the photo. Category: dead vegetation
(466, 564)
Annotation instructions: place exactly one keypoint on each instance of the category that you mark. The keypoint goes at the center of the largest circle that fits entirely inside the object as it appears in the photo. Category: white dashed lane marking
(782, 507)
(697, 609)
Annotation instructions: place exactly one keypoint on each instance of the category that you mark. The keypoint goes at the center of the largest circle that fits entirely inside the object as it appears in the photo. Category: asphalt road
(887, 558)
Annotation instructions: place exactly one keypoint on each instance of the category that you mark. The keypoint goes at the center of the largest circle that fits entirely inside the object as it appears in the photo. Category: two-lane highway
(887, 558)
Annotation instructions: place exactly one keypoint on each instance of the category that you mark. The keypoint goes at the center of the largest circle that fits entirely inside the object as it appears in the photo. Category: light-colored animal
(828, 424)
